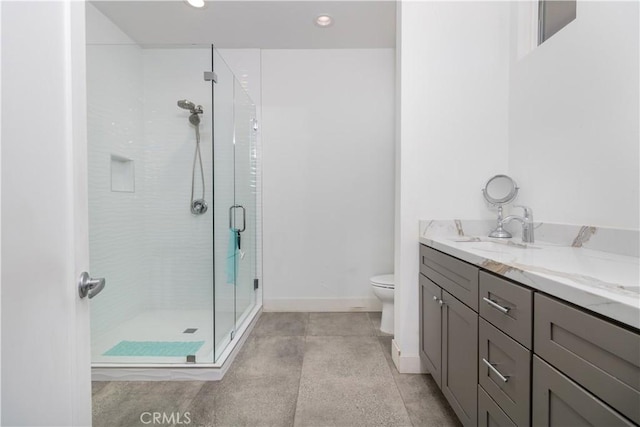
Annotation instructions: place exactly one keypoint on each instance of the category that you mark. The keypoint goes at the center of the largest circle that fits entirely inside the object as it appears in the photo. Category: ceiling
(256, 24)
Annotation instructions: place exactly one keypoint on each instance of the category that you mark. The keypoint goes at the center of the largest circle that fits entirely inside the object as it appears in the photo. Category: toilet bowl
(384, 287)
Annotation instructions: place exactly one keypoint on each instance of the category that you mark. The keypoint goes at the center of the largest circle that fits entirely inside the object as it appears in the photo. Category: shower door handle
(88, 286)
(232, 219)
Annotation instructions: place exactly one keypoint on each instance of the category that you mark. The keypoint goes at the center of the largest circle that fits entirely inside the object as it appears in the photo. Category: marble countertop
(594, 268)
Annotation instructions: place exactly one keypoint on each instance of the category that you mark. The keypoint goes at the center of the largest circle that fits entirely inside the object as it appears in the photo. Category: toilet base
(386, 324)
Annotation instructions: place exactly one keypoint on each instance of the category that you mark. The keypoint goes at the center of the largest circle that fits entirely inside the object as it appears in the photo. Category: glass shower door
(223, 187)
(235, 205)
(245, 125)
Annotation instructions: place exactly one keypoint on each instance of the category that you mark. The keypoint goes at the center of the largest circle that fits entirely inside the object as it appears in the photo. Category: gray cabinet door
(558, 401)
(431, 328)
(489, 413)
(508, 378)
(460, 358)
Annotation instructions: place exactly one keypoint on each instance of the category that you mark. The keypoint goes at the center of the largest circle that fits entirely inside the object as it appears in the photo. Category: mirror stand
(499, 232)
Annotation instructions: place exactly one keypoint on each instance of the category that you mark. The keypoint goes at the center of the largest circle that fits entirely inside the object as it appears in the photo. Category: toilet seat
(384, 281)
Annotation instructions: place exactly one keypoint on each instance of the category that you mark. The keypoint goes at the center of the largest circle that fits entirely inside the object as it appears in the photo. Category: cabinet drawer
(602, 357)
(558, 401)
(511, 360)
(507, 306)
(489, 413)
(454, 276)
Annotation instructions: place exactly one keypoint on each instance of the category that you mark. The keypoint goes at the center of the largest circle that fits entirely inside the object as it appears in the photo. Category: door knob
(88, 286)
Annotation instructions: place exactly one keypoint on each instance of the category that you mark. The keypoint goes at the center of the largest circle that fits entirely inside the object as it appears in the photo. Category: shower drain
(190, 330)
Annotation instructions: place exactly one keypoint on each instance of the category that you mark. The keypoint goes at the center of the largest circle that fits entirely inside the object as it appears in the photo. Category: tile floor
(296, 369)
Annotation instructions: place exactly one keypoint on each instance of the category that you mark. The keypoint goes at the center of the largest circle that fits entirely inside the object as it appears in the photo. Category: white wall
(574, 131)
(328, 132)
(452, 132)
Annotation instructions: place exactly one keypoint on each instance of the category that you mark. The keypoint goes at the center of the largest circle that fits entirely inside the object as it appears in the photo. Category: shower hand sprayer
(197, 206)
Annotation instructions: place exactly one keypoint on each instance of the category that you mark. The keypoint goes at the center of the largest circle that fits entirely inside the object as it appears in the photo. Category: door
(46, 376)
(460, 358)
(234, 185)
(431, 327)
(558, 401)
(245, 127)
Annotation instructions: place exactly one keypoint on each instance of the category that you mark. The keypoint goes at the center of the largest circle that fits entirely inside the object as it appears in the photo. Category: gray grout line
(295, 411)
(304, 352)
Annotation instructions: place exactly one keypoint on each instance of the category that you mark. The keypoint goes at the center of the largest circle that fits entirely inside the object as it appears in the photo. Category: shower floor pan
(168, 326)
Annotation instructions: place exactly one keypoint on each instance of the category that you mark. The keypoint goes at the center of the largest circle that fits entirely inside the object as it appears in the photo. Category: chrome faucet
(526, 221)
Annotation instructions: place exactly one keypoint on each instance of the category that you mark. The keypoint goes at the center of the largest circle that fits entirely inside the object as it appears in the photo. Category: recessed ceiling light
(196, 3)
(324, 21)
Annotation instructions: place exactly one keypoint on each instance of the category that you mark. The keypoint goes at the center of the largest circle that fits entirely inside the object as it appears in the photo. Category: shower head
(194, 119)
(194, 109)
(187, 105)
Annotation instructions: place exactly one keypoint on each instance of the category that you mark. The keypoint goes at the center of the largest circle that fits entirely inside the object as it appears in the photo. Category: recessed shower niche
(123, 174)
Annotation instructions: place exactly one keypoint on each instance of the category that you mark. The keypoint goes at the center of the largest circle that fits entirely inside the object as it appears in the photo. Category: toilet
(383, 287)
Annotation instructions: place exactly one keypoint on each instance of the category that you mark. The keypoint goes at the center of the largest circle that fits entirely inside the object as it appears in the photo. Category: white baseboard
(395, 354)
(321, 304)
(410, 364)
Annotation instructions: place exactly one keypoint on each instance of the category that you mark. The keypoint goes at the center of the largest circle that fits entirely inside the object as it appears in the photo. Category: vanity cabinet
(515, 356)
(449, 329)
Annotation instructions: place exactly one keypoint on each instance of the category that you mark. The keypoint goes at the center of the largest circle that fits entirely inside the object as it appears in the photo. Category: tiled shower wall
(153, 251)
(179, 245)
(115, 126)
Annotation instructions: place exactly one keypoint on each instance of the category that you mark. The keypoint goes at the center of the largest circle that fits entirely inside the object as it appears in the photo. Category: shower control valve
(199, 207)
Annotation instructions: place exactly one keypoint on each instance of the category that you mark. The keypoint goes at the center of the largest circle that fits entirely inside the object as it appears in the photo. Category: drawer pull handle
(494, 304)
(495, 371)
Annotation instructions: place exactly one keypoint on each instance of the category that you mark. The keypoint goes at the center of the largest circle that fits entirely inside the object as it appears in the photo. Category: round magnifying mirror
(500, 190)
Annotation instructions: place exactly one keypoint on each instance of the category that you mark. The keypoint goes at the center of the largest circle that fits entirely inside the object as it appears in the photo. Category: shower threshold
(127, 371)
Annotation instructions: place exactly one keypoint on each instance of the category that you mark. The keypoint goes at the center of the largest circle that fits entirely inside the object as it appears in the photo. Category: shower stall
(173, 187)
